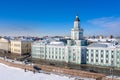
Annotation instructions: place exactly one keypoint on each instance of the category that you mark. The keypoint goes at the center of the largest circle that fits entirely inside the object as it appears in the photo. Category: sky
(56, 17)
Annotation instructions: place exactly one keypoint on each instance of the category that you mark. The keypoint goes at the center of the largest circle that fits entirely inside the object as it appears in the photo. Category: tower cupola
(77, 18)
(77, 31)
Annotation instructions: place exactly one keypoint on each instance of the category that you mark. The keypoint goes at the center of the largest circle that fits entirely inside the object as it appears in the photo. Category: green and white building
(104, 54)
(72, 51)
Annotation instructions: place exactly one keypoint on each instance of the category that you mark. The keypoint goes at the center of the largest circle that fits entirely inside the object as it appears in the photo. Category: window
(112, 62)
(112, 51)
(56, 57)
(101, 50)
(69, 56)
(96, 50)
(117, 51)
(107, 56)
(17, 45)
(117, 62)
(56, 52)
(106, 61)
(87, 54)
(59, 48)
(91, 60)
(96, 55)
(107, 51)
(52, 52)
(59, 57)
(74, 59)
(91, 55)
(101, 61)
(101, 55)
(112, 56)
(91, 50)
(87, 59)
(96, 60)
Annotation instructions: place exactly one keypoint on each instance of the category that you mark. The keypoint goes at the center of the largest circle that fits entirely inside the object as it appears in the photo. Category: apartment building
(5, 44)
(20, 46)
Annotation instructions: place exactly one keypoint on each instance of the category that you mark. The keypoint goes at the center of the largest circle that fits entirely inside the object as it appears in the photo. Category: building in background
(20, 47)
(4, 44)
(71, 51)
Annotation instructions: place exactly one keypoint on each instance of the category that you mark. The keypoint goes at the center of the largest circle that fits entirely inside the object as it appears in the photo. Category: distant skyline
(56, 17)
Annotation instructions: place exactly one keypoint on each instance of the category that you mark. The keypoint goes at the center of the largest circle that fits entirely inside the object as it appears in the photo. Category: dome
(77, 18)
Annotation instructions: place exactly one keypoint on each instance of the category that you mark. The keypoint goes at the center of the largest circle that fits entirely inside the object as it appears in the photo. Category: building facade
(20, 46)
(70, 52)
(4, 44)
(103, 54)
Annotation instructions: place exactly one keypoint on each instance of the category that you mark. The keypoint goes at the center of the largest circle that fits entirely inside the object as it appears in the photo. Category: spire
(77, 18)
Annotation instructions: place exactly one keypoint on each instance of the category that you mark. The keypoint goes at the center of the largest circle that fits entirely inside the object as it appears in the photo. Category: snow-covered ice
(11, 73)
(115, 77)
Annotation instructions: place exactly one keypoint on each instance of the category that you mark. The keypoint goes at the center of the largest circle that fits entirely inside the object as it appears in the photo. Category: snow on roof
(98, 45)
(57, 43)
(4, 40)
(25, 40)
(102, 40)
(105, 44)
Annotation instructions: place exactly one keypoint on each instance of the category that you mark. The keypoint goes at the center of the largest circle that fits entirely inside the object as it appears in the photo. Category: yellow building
(20, 46)
(4, 44)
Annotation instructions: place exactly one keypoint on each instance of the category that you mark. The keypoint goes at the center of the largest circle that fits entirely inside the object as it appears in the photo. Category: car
(36, 68)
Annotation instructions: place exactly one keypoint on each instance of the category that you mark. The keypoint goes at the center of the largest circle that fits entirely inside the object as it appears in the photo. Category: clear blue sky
(56, 17)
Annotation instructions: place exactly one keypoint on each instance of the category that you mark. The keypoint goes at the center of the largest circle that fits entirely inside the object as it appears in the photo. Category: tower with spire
(77, 38)
(77, 31)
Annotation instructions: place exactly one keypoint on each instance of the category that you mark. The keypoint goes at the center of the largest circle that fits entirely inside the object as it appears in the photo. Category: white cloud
(15, 29)
(110, 22)
(104, 26)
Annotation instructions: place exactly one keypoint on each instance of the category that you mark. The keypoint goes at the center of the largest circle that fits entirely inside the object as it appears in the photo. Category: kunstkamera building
(75, 50)
(72, 51)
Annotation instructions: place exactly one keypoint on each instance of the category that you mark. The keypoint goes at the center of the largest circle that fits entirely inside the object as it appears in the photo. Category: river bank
(53, 69)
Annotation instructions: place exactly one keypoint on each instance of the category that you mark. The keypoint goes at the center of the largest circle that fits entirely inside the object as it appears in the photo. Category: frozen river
(11, 73)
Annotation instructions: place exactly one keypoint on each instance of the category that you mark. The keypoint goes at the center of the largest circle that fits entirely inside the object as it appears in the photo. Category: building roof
(105, 45)
(60, 43)
(98, 45)
(102, 40)
(22, 40)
